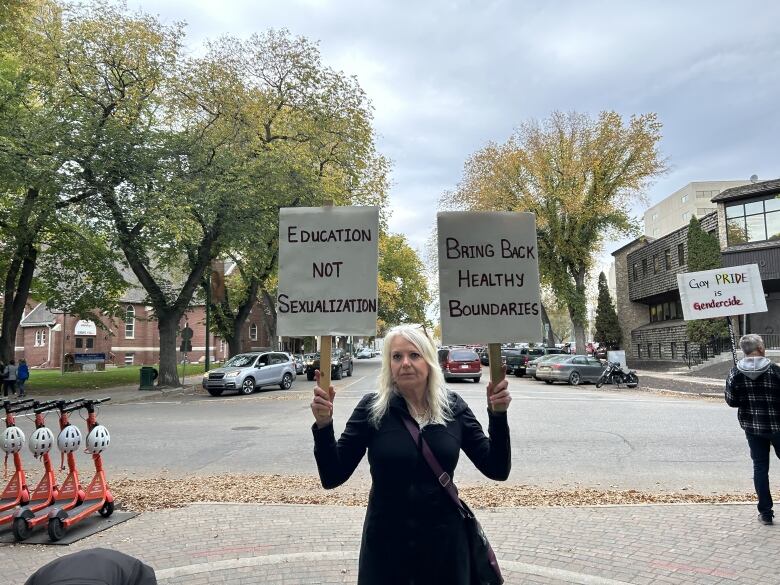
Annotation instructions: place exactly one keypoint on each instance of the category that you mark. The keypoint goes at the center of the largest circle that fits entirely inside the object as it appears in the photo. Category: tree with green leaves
(404, 296)
(315, 125)
(607, 324)
(48, 251)
(579, 175)
(703, 254)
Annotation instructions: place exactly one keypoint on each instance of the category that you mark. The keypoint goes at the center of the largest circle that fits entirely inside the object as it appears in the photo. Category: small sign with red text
(735, 290)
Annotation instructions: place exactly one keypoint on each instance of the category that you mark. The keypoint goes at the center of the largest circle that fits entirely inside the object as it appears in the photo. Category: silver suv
(246, 372)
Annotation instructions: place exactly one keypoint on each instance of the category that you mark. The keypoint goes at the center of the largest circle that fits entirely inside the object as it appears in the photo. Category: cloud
(446, 77)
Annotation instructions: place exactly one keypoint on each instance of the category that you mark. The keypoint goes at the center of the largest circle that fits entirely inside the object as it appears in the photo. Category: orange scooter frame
(44, 493)
(16, 491)
(70, 493)
(98, 497)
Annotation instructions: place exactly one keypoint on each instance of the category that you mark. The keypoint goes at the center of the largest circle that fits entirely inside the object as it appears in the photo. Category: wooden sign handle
(325, 351)
(496, 367)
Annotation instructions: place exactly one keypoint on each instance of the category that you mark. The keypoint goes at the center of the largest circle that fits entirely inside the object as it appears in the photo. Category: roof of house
(639, 240)
(752, 190)
(39, 316)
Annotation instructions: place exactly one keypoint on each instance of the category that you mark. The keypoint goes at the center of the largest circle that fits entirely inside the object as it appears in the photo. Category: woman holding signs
(413, 531)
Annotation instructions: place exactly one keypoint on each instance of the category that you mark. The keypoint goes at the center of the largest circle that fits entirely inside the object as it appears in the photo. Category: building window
(702, 211)
(656, 231)
(668, 258)
(753, 221)
(673, 349)
(656, 264)
(130, 322)
(655, 217)
(253, 332)
(639, 351)
(649, 350)
(681, 254)
(684, 199)
(40, 337)
(644, 266)
(79, 342)
(129, 359)
(667, 311)
(686, 216)
(90, 342)
(635, 270)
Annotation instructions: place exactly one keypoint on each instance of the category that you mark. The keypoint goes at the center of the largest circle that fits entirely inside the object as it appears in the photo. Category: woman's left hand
(498, 396)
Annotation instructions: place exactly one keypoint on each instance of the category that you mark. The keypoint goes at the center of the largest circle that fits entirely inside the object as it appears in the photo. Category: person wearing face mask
(412, 533)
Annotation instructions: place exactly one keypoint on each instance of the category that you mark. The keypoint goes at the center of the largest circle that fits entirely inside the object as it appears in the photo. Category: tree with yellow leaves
(580, 176)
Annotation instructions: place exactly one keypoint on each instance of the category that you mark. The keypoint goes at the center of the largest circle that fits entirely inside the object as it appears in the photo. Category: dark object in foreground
(98, 566)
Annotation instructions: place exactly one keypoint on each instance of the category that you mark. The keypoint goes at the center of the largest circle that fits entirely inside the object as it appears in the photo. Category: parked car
(460, 362)
(534, 363)
(573, 369)
(365, 353)
(299, 367)
(519, 363)
(246, 372)
(341, 364)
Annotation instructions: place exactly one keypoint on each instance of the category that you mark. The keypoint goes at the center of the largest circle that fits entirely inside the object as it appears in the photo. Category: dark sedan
(573, 369)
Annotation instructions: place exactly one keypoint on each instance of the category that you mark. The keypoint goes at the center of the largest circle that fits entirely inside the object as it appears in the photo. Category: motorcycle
(615, 374)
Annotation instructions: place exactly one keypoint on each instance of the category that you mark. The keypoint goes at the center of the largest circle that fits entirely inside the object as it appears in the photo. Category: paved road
(562, 435)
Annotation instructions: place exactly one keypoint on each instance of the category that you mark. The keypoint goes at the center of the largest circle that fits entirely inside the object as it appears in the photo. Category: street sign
(736, 290)
(186, 339)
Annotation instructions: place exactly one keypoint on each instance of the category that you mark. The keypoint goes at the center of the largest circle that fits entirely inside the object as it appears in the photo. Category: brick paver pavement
(205, 544)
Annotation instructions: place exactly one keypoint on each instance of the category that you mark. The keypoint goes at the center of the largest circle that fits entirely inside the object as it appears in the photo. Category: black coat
(413, 533)
(96, 566)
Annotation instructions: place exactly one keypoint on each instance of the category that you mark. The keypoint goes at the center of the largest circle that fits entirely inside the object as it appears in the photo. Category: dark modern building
(747, 225)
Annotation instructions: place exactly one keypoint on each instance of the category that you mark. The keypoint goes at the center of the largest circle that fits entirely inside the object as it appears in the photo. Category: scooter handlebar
(90, 403)
(44, 406)
(12, 406)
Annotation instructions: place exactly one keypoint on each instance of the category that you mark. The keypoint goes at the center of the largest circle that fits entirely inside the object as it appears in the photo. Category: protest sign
(489, 280)
(488, 277)
(736, 290)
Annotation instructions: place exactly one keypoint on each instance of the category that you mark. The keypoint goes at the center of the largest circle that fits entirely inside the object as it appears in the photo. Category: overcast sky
(447, 77)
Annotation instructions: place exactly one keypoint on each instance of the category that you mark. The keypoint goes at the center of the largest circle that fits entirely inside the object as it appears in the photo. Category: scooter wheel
(21, 529)
(56, 529)
(107, 509)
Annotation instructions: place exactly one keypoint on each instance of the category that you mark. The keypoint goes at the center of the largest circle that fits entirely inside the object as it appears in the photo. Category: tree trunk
(577, 313)
(167, 325)
(550, 337)
(269, 312)
(235, 346)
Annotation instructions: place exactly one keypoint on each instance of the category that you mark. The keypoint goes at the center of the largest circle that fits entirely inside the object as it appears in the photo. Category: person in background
(753, 387)
(9, 379)
(22, 375)
(95, 566)
(413, 533)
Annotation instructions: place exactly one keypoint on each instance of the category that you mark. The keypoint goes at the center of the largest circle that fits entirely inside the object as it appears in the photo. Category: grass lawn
(43, 380)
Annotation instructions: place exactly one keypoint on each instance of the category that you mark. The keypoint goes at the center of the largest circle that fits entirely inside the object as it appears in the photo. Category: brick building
(44, 337)
(747, 225)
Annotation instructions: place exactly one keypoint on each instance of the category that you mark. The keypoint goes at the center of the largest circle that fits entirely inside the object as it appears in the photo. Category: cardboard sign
(488, 277)
(328, 260)
(736, 290)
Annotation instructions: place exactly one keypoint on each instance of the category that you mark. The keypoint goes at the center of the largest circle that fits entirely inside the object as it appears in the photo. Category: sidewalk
(205, 544)
(119, 394)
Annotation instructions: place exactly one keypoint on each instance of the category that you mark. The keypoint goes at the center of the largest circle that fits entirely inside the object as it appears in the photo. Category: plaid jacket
(758, 400)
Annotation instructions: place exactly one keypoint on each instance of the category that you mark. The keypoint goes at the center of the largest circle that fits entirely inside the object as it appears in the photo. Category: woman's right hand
(322, 405)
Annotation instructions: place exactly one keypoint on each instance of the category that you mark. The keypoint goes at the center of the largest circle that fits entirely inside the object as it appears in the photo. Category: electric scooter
(98, 498)
(46, 491)
(16, 491)
(70, 493)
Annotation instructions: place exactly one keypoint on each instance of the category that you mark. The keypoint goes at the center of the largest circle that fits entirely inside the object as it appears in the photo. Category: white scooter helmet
(98, 439)
(41, 441)
(13, 439)
(69, 439)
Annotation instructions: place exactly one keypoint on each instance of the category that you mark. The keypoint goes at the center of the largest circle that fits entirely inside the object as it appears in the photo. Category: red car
(460, 362)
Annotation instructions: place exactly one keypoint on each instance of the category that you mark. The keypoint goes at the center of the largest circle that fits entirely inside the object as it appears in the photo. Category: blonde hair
(439, 411)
